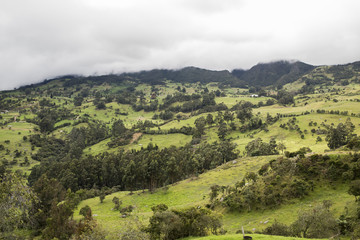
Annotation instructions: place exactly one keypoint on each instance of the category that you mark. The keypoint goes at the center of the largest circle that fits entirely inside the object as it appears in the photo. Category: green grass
(191, 192)
(291, 138)
(14, 132)
(194, 192)
(288, 213)
(231, 101)
(165, 140)
(240, 236)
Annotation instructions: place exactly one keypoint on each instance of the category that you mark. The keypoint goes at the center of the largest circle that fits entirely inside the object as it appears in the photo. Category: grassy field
(194, 192)
(190, 192)
(12, 138)
(240, 236)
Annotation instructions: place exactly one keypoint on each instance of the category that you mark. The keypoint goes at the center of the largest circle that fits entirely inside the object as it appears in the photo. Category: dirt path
(135, 137)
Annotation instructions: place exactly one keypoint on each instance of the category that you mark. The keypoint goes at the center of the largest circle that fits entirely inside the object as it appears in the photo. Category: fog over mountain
(46, 38)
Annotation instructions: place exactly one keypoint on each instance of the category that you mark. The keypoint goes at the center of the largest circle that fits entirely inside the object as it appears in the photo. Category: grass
(165, 140)
(194, 192)
(162, 141)
(190, 192)
(240, 236)
(287, 213)
(14, 132)
(291, 138)
(231, 101)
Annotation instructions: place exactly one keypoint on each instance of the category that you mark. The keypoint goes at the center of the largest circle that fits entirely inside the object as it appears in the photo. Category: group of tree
(147, 168)
(341, 135)
(259, 148)
(284, 179)
(173, 224)
(317, 222)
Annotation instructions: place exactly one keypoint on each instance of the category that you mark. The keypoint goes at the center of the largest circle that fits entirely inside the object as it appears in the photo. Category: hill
(275, 73)
(169, 136)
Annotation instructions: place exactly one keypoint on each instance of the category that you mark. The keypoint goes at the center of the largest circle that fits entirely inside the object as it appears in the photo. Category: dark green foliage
(315, 223)
(243, 110)
(86, 212)
(275, 73)
(175, 224)
(166, 115)
(285, 98)
(354, 143)
(78, 100)
(17, 203)
(278, 229)
(102, 197)
(126, 211)
(222, 131)
(132, 170)
(59, 224)
(100, 105)
(118, 128)
(47, 117)
(209, 119)
(188, 74)
(258, 148)
(355, 189)
(200, 124)
(49, 192)
(285, 179)
(117, 203)
(341, 135)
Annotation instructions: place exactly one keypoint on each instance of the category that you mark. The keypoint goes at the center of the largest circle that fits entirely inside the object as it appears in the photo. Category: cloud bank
(46, 38)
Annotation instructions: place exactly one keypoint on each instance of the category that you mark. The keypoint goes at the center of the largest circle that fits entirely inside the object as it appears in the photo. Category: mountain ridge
(269, 74)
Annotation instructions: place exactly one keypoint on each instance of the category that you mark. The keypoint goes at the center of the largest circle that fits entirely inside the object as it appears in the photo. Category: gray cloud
(45, 38)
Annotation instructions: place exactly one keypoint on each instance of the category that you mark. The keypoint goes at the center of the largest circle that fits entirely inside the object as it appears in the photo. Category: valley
(244, 148)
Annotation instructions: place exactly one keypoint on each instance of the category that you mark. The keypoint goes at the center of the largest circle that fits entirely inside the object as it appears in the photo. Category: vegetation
(240, 145)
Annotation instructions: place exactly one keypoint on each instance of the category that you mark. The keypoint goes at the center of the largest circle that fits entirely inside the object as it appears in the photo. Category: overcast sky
(42, 39)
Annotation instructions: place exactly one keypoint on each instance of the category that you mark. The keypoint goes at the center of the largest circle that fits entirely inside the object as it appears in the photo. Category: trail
(135, 137)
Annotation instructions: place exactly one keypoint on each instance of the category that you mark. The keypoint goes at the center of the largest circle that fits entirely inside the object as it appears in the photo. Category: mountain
(185, 75)
(261, 75)
(274, 73)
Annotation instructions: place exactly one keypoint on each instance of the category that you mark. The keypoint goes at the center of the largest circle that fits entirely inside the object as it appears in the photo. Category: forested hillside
(169, 154)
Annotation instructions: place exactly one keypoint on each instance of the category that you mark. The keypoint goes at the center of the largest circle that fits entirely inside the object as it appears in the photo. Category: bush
(277, 228)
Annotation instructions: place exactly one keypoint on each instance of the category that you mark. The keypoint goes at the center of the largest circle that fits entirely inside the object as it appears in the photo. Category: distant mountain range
(274, 74)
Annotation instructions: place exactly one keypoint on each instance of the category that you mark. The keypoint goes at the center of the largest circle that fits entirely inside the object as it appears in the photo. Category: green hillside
(210, 142)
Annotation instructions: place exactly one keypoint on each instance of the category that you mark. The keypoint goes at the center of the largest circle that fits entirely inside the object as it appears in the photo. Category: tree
(228, 116)
(174, 224)
(223, 131)
(118, 128)
(244, 113)
(355, 189)
(78, 100)
(339, 136)
(50, 192)
(316, 223)
(209, 119)
(102, 196)
(117, 203)
(100, 105)
(258, 148)
(200, 125)
(285, 97)
(16, 203)
(60, 224)
(86, 212)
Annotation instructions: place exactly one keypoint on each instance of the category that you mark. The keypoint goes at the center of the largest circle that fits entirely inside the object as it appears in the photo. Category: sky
(42, 39)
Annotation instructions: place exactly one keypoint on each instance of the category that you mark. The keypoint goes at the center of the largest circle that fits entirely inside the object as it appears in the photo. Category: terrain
(189, 138)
